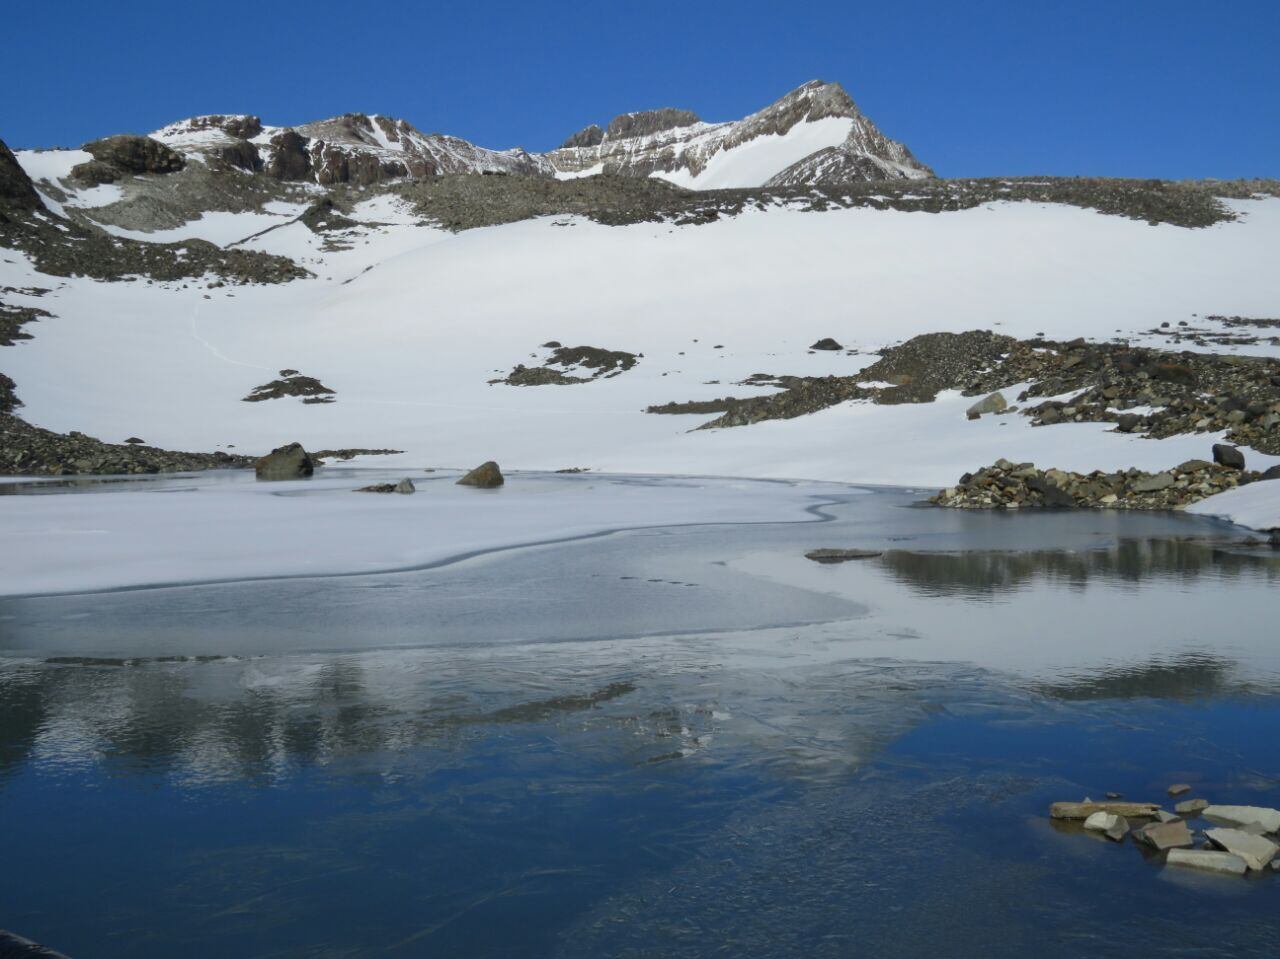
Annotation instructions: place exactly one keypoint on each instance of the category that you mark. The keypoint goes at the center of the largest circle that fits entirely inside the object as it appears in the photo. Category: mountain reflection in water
(989, 572)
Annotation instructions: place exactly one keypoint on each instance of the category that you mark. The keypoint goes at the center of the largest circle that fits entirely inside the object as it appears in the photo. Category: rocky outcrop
(289, 158)
(588, 136)
(485, 476)
(129, 155)
(1006, 485)
(29, 450)
(285, 463)
(648, 122)
(16, 190)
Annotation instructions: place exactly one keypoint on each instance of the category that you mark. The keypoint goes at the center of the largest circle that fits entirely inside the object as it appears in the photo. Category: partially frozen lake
(589, 722)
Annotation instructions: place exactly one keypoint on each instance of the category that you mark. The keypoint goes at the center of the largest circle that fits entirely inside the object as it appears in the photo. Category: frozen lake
(650, 736)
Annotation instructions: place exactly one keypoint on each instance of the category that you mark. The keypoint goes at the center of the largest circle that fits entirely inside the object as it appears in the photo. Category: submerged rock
(485, 476)
(285, 463)
(1210, 861)
(377, 488)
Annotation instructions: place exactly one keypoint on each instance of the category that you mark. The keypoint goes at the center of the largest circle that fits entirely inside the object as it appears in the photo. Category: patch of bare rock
(292, 383)
(597, 362)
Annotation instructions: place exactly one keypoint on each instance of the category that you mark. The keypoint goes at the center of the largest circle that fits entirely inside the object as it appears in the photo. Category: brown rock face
(649, 121)
(485, 476)
(15, 186)
(291, 161)
(589, 136)
(134, 154)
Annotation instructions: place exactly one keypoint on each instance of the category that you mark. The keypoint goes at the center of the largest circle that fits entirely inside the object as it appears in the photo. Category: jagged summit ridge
(813, 135)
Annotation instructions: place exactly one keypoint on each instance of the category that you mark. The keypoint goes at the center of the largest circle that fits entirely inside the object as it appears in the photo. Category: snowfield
(410, 324)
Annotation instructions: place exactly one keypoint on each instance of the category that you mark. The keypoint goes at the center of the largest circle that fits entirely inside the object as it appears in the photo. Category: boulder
(1271, 473)
(992, 403)
(485, 476)
(1210, 861)
(406, 486)
(1229, 456)
(1128, 422)
(826, 343)
(285, 463)
(1268, 819)
(1257, 851)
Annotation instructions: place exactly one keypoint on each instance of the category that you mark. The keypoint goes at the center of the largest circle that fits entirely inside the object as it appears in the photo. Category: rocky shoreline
(27, 450)
(1009, 486)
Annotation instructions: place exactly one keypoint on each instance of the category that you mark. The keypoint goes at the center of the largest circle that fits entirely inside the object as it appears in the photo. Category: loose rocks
(1006, 485)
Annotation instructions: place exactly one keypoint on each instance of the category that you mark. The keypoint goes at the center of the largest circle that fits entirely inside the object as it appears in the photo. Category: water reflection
(1189, 676)
(989, 572)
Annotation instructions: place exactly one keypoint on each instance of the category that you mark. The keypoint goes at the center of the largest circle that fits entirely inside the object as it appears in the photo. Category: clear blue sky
(1171, 89)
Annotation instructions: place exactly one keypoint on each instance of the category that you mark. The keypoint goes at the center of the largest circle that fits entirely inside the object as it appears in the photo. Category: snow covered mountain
(813, 135)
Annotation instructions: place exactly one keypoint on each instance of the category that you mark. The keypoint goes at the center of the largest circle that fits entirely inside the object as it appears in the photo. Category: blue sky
(1172, 89)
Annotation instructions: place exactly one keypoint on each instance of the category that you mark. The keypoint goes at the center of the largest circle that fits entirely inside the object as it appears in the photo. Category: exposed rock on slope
(16, 189)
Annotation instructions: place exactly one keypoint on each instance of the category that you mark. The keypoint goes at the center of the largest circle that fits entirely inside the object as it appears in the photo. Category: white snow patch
(752, 163)
(1256, 506)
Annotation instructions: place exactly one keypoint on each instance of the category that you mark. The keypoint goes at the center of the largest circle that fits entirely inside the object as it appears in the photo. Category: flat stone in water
(1191, 807)
(1210, 861)
(1178, 789)
(1165, 835)
(1268, 819)
(840, 555)
(1256, 851)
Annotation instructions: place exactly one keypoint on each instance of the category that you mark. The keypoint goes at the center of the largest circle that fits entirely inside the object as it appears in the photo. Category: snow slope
(756, 161)
(1256, 506)
(410, 323)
